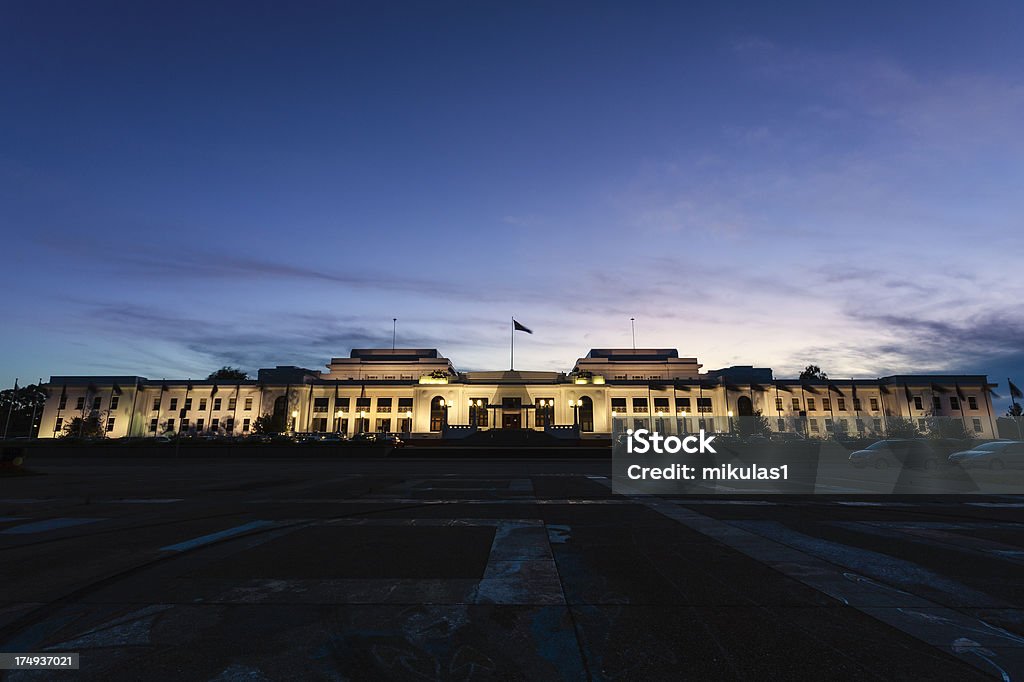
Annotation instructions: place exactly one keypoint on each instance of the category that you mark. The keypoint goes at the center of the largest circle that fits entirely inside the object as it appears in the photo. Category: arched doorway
(745, 407)
(437, 410)
(586, 415)
(279, 420)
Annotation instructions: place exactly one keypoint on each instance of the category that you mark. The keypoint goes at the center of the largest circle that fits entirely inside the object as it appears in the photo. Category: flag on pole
(520, 328)
(116, 389)
(906, 392)
(1014, 391)
(213, 391)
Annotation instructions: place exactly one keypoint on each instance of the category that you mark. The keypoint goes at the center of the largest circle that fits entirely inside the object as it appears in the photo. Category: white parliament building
(419, 393)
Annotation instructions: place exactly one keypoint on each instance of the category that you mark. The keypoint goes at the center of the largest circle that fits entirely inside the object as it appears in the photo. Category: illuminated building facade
(419, 393)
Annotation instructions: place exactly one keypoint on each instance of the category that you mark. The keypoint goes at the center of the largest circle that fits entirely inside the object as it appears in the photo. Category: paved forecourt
(498, 568)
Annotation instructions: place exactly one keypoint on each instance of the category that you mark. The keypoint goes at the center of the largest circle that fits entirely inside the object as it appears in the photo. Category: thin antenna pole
(632, 329)
(394, 331)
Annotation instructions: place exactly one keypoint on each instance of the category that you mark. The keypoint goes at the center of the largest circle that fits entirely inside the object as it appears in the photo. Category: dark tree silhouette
(813, 372)
(227, 372)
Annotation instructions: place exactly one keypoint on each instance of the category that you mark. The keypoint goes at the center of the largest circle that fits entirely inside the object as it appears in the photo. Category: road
(450, 569)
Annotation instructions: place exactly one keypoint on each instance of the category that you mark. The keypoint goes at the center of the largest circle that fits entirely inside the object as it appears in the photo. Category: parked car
(391, 439)
(995, 455)
(915, 453)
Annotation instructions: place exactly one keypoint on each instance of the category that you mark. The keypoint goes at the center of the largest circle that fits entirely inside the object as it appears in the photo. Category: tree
(84, 426)
(899, 427)
(22, 405)
(813, 373)
(755, 425)
(228, 372)
(267, 424)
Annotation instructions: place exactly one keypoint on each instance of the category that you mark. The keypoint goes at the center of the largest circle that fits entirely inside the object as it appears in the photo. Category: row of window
(640, 405)
(954, 403)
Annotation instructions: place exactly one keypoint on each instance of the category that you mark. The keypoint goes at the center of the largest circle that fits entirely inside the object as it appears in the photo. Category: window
(80, 403)
(321, 404)
(856, 404)
(842, 404)
(922, 425)
(704, 405)
(199, 424)
(383, 425)
(405, 405)
(246, 423)
(826, 404)
(618, 405)
(153, 424)
(341, 404)
(320, 424)
(781, 424)
(977, 424)
(876, 424)
(232, 403)
(248, 404)
(796, 404)
(114, 402)
(512, 403)
(972, 402)
(546, 412)
(661, 406)
(682, 405)
(63, 401)
(810, 405)
(362, 404)
(156, 404)
(216, 403)
(954, 402)
(202, 404)
(58, 425)
(918, 405)
(383, 405)
(860, 426)
(874, 404)
(229, 425)
(214, 424)
(640, 405)
(174, 404)
(478, 412)
(405, 425)
(363, 425)
(936, 403)
(639, 424)
(844, 425)
(110, 424)
(188, 404)
(814, 425)
(184, 424)
(778, 404)
(829, 426)
(170, 425)
(97, 402)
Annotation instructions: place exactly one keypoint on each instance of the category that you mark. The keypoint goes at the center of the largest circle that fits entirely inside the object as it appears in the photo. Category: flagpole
(10, 408)
(512, 351)
(1013, 403)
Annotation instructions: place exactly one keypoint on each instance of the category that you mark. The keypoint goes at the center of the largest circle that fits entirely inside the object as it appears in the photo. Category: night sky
(184, 186)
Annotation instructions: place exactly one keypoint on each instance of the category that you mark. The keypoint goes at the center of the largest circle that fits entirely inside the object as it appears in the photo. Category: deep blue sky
(187, 185)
